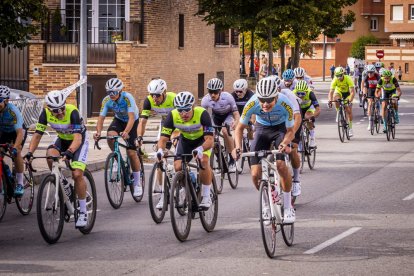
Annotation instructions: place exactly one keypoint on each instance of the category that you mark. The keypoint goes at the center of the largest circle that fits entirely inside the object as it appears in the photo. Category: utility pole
(251, 75)
(324, 58)
(243, 67)
(83, 96)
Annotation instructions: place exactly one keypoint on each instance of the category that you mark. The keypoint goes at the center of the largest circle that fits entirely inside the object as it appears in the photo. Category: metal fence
(30, 109)
(98, 53)
(14, 68)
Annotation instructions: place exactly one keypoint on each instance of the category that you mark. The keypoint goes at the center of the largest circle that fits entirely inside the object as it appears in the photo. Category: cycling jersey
(388, 86)
(306, 78)
(294, 100)
(163, 109)
(223, 107)
(198, 126)
(10, 118)
(291, 87)
(308, 100)
(121, 107)
(282, 112)
(342, 86)
(371, 82)
(241, 102)
(66, 128)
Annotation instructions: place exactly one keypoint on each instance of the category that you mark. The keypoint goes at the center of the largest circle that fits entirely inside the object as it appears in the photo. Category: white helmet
(215, 84)
(4, 92)
(276, 79)
(240, 84)
(184, 99)
(266, 88)
(157, 86)
(299, 72)
(378, 64)
(114, 84)
(55, 99)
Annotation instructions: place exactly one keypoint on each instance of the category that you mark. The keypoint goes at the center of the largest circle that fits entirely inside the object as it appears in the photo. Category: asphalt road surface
(354, 217)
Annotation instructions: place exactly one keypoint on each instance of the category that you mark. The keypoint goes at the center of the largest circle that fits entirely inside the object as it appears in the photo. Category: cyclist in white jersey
(289, 81)
(300, 74)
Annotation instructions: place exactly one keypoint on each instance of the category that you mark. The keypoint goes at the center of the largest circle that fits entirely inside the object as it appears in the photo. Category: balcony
(97, 53)
(370, 7)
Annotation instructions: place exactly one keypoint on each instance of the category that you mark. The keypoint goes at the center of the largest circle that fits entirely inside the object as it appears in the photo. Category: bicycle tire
(177, 216)
(393, 124)
(58, 215)
(3, 196)
(268, 231)
(302, 151)
(118, 187)
(341, 127)
(209, 218)
(25, 203)
(365, 106)
(288, 232)
(233, 177)
(91, 202)
(142, 181)
(346, 124)
(377, 120)
(217, 168)
(153, 198)
(388, 133)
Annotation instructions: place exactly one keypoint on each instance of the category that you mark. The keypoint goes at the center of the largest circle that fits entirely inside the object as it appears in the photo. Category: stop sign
(380, 54)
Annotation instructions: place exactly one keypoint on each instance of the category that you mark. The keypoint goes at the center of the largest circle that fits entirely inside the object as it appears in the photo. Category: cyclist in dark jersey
(370, 85)
(242, 95)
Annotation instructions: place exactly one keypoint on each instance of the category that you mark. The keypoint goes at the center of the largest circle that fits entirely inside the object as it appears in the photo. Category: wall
(403, 26)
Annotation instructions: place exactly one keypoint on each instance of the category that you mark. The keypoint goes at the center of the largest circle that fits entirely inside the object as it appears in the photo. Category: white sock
(312, 133)
(19, 177)
(82, 205)
(296, 174)
(137, 178)
(205, 192)
(287, 200)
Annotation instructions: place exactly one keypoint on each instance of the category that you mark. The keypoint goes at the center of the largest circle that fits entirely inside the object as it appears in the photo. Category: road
(362, 189)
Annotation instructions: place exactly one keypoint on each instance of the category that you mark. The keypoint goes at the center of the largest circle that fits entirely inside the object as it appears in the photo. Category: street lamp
(243, 67)
(251, 74)
(324, 58)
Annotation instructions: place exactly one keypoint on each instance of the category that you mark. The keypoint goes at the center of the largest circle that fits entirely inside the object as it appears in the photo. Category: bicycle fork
(275, 210)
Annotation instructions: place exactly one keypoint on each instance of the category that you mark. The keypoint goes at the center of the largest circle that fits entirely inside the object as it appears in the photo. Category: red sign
(380, 54)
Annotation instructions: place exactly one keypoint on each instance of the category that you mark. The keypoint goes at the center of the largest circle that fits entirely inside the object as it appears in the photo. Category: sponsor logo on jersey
(289, 110)
(247, 108)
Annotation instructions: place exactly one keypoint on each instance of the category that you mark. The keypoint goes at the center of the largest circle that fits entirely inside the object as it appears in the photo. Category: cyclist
(224, 110)
(390, 88)
(378, 66)
(12, 131)
(274, 123)
(241, 95)
(194, 124)
(343, 87)
(370, 85)
(125, 124)
(72, 142)
(300, 74)
(289, 81)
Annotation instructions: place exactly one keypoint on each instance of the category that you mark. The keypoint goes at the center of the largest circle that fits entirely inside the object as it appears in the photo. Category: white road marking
(333, 240)
(409, 197)
(355, 101)
(402, 114)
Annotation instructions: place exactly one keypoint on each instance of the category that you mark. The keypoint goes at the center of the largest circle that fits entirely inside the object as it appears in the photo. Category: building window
(411, 11)
(396, 12)
(350, 28)
(221, 37)
(406, 68)
(374, 23)
(328, 51)
(220, 75)
(181, 30)
(200, 86)
(234, 37)
(376, 1)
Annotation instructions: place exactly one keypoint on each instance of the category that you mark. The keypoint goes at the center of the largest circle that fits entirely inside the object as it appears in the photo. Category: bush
(358, 47)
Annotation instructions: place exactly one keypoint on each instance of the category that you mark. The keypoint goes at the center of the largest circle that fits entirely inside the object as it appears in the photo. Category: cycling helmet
(4, 92)
(276, 79)
(371, 68)
(55, 99)
(386, 73)
(157, 86)
(288, 75)
(302, 85)
(266, 88)
(382, 64)
(299, 72)
(240, 84)
(381, 71)
(215, 84)
(184, 100)
(339, 71)
(378, 64)
(114, 84)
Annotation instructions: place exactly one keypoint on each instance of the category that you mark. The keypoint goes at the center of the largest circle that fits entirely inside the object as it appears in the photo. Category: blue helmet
(288, 74)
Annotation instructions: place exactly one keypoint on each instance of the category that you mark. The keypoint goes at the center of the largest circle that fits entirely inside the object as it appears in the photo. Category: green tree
(16, 19)
(358, 47)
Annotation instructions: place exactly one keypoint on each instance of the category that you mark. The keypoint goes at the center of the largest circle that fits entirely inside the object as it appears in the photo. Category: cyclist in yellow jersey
(72, 142)
(194, 124)
(342, 86)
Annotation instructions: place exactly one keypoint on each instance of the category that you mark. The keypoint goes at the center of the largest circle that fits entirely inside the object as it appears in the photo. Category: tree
(16, 21)
(358, 47)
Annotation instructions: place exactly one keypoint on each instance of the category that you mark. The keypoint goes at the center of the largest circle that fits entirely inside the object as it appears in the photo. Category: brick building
(135, 40)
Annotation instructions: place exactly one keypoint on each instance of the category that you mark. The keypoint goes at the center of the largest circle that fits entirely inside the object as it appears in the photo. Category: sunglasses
(266, 100)
(213, 92)
(238, 91)
(184, 110)
(112, 93)
(339, 76)
(156, 95)
(58, 110)
(301, 94)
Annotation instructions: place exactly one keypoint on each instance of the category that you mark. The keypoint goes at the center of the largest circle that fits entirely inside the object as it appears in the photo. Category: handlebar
(54, 158)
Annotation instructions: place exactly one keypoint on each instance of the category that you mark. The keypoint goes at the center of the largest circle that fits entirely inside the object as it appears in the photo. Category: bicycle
(306, 152)
(365, 104)
(245, 148)
(118, 176)
(57, 201)
(343, 125)
(390, 115)
(24, 203)
(271, 199)
(220, 162)
(185, 199)
(375, 116)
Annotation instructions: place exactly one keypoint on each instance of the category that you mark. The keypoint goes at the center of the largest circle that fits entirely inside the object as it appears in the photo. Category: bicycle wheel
(377, 120)
(232, 176)
(302, 151)
(288, 232)
(3, 196)
(341, 127)
(25, 202)
(209, 218)
(268, 226)
(142, 181)
(392, 123)
(180, 199)
(114, 181)
(91, 202)
(311, 158)
(217, 168)
(345, 124)
(155, 192)
(365, 106)
(388, 122)
(50, 210)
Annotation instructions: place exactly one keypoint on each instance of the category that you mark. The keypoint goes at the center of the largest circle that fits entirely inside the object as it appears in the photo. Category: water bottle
(193, 180)
(67, 188)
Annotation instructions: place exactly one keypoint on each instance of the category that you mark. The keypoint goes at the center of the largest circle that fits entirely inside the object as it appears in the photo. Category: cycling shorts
(264, 136)
(343, 95)
(10, 137)
(388, 93)
(118, 126)
(219, 120)
(186, 146)
(371, 92)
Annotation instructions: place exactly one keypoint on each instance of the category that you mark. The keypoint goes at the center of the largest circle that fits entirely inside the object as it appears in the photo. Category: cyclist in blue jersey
(124, 124)
(12, 131)
(274, 123)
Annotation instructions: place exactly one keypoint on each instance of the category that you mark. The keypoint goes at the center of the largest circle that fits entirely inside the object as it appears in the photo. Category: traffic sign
(380, 54)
